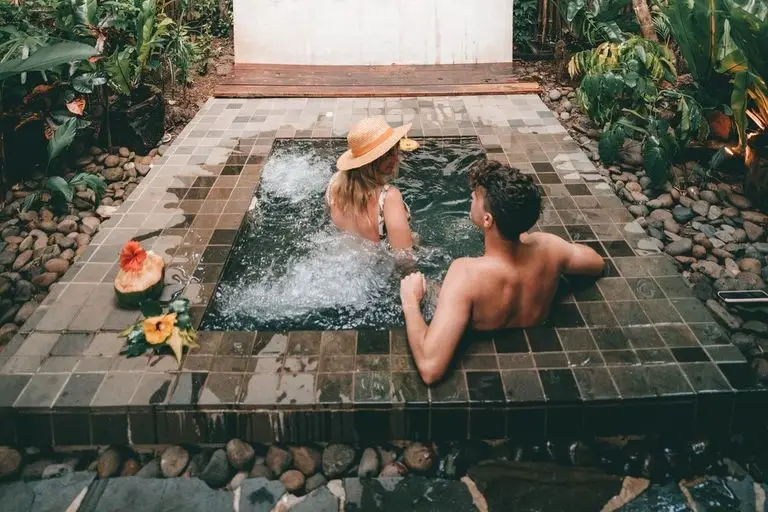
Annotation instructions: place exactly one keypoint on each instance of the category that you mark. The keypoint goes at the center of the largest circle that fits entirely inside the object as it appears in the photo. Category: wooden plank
(289, 81)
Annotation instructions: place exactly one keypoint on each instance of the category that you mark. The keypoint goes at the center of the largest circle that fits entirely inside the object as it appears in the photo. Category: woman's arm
(396, 220)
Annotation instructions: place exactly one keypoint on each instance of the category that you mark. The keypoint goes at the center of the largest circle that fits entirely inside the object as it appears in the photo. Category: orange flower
(158, 328)
(132, 257)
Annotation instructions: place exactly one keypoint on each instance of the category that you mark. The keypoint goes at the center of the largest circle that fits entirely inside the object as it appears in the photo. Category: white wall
(360, 32)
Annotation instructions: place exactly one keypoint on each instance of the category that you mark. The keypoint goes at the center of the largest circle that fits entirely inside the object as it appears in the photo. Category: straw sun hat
(368, 140)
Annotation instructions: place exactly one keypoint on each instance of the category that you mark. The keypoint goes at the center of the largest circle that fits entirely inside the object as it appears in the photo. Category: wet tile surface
(635, 338)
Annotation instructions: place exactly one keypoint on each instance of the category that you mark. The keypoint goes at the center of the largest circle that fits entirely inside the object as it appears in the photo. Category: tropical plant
(524, 20)
(180, 53)
(596, 20)
(59, 192)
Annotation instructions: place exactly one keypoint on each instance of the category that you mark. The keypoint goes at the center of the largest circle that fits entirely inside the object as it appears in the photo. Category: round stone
(680, 247)
(10, 462)
(699, 252)
(150, 470)
(739, 201)
(700, 207)
(25, 311)
(634, 187)
(261, 471)
(173, 461)
(306, 459)
(714, 213)
(240, 454)
(130, 467)
(337, 458)
(672, 226)
(754, 232)
(293, 480)
(112, 174)
(369, 464)
(23, 259)
(89, 226)
(108, 463)
(45, 279)
(750, 265)
(315, 481)
(393, 469)
(709, 196)
(112, 161)
(67, 226)
(217, 472)
(278, 460)
(57, 265)
(418, 457)
(555, 95)
(638, 210)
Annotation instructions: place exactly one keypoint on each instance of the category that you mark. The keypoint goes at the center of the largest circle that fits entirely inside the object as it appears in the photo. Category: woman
(359, 196)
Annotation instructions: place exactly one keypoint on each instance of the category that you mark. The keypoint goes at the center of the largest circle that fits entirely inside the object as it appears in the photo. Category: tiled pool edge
(72, 389)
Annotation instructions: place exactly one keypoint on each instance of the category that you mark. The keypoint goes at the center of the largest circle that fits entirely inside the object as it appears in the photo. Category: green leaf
(62, 138)
(183, 321)
(59, 186)
(611, 141)
(85, 11)
(655, 160)
(85, 82)
(29, 202)
(121, 71)
(150, 308)
(46, 58)
(93, 182)
(739, 105)
(179, 306)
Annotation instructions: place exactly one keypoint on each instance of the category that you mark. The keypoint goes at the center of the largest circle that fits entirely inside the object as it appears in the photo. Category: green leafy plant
(46, 58)
(58, 193)
(180, 54)
(596, 21)
(524, 19)
(162, 330)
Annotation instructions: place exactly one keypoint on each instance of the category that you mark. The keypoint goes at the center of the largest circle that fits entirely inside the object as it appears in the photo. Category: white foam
(295, 176)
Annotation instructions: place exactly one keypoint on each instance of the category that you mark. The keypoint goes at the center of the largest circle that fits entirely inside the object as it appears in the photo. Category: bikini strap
(380, 212)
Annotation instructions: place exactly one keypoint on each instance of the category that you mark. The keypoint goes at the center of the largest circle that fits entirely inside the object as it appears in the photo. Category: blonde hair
(350, 190)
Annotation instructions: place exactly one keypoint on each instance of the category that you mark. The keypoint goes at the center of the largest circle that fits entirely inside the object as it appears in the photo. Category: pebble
(108, 463)
(730, 212)
(173, 461)
(708, 268)
(217, 472)
(293, 480)
(754, 232)
(756, 217)
(45, 279)
(261, 471)
(130, 467)
(337, 458)
(724, 235)
(150, 470)
(731, 321)
(739, 201)
(638, 210)
(306, 459)
(698, 252)
(731, 267)
(240, 454)
(721, 253)
(680, 247)
(10, 462)
(237, 480)
(418, 457)
(278, 460)
(57, 265)
(662, 201)
(700, 207)
(67, 226)
(111, 161)
(672, 226)
(369, 464)
(660, 215)
(555, 95)
(315, 481)
(393, 469)
(23, 259)
(739, 235)
(714, 213)
(702, 240)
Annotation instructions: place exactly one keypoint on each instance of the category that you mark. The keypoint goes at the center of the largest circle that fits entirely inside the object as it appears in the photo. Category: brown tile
(116, 390)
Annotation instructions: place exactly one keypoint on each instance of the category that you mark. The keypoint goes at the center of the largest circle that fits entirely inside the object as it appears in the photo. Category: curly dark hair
(511, 197)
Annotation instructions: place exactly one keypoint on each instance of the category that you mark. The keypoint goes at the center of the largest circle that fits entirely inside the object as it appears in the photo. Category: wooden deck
(290, 81)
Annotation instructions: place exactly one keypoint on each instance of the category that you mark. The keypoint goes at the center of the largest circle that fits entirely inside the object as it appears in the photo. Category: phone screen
(750, 294)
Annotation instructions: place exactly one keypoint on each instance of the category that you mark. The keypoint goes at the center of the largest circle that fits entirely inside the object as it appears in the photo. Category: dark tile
(204, 182)
(563, 203)
(188, 388)
(576, 339)
(610, 269)
(79, 390)
(479, 362)
(333, 343)
(643, 337)
(449, 424)
(527, 423)
(336, 364)
(42, 390)
(230, 364)
(516, 361)
(559, 385)
(595, 383)
(223, 237)
(629, 313)
(109, 429)
(620, 357)
(597, 314)
(725, 354)
(34, 429)
(10, 388)
(655, 356)
(207, 273)
(618, 248)
(668, 380)
(372, 363)
(677, 335)
(610, 338)
(398, 342)
(487, 423)
(740, 376)
(549, 178)
(304, 343)
(556, 230)
(71, 344)
(373, 387)
(660, 311)
(154, 389)
(334, 388)
(662, 266)
(543, 339)
(236, 344)
(632, 381)
(522, 386)
(632, 267)
(675, 287)
(452, 388)
(71, 429)
(270, 344)
(571, 217)
(485, 387)
(215, 254)
(692, 310)
(578, 190)
(408, 388)
(645, 288)
(550, 360)
(589, 293)
(710, 334)
(541, 167)
(596, 246)
(705, 377)
(373, 342)
(564, 315)
(581, 233)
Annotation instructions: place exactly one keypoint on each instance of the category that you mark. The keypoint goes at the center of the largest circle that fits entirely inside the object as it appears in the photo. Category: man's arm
(582, 260)
(433, 345)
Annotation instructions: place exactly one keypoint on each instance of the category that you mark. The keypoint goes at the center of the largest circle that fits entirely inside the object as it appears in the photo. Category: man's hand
(412, 289)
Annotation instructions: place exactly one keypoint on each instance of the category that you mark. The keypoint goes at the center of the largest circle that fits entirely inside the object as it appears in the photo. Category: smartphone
(741, 296)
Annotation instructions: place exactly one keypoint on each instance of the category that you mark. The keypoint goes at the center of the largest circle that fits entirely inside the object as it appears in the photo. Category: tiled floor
(635, 352)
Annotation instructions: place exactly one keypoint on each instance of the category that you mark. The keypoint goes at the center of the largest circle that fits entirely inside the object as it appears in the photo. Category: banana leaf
(46, 58)
(698, 28)
(749, 29)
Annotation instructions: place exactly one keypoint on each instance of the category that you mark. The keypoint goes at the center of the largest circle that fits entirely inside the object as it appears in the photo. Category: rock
(24, 312)
(315, 481)
(261, 471)
(714, 213)
(555, 95)
(306, 459)
(45, 279)
(337, 458)
(239, 454)
(217, 472)
(663, 201)
(57, 265)
(293, 480)
(682, 214)
(754, 232)
(739, 236)
(142, 169)
(731, 267)
(108, 463)
(660, 215)
(755, 217)
(721, 253)
(10, 462)
(23, 259)
(89, 226)
(7, 257)
(112, 174)
(708, 268)
(730, 321)
(749, 281)
(755, 327)
(369, 464)
(278, 460)
(393, 469)
(672, 226)
(739, 201)
(650, 244)
(702, 240)
(638, 210)
(566, 105)
(112, 161)
(130, 467)
(633, 186)
(196, 465)
(67, 226)
(700, 207)
(68, 255)
(223, 69)
(174, 461)
(565, 116)
(65, 242)
(724, 235)
(698, 252)
(124, 152)
(418, 457)
(750, 265)
(237, 480)
(150, 470)
(82, 240)
(680, 247)
(24, 290)
(58, 470)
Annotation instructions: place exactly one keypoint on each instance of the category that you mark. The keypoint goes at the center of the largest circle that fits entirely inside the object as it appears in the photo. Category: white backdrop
(362, 32)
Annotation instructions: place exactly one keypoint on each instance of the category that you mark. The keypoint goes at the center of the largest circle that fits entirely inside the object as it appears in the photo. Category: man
(511, 285)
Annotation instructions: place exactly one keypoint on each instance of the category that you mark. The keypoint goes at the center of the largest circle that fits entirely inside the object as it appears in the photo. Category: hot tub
(369, 32)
